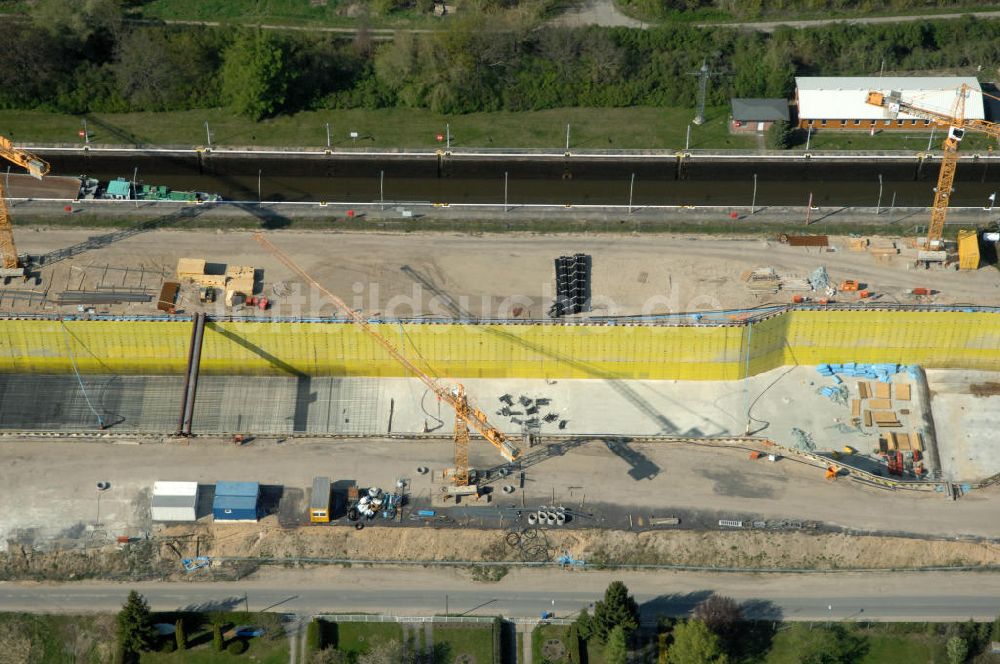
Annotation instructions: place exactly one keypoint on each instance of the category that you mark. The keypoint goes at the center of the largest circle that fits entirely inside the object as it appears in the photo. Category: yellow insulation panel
(494, 351)
(931, 339)
(52, 346)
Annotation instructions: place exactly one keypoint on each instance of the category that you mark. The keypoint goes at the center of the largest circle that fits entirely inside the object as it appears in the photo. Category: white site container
(174, 501)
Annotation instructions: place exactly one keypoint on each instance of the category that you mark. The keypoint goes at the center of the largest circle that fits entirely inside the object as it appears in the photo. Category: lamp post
(631, 189)
(753, 203)
(505, 191)
(878, 204)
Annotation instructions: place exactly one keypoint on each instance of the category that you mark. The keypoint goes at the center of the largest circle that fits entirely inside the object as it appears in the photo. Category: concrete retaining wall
(932, 339)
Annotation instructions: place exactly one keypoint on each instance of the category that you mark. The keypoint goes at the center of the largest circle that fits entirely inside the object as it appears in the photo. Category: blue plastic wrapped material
(881, 371)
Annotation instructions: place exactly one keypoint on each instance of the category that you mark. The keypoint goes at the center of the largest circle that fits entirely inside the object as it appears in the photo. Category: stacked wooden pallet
(904, 442)
(762, 280)
(878, 411)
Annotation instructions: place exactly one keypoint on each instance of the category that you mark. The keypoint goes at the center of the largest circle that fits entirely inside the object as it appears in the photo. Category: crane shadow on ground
(304, 393)
(101, 241)
(664, 424)
(640, 466)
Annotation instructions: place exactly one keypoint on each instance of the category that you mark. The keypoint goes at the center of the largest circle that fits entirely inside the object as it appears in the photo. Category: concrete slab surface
(966, 408)
(778, 401)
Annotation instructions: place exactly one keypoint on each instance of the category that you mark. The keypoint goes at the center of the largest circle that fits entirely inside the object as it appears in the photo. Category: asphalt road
(834, 596)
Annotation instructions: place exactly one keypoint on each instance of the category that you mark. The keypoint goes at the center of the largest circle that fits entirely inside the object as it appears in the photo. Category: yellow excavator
(37, 167)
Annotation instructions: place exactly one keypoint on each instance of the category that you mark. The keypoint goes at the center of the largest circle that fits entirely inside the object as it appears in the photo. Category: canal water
(557, 180)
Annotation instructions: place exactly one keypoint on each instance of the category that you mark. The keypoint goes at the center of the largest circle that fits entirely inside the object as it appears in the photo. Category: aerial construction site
(218, 397)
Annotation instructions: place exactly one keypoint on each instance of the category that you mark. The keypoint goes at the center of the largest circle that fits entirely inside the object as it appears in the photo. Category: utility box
(174, 501)
(968, 250)
(319, 502)
(236, 501)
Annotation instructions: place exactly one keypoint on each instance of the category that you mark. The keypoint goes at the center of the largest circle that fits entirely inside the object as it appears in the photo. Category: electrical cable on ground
(69, 350)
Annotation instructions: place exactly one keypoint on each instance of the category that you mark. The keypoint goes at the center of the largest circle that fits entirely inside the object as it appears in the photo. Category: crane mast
(957, 125)
(466, 415)
(38, 168)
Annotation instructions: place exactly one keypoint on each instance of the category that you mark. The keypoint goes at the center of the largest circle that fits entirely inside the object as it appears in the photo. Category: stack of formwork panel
(572, 285)
(190, 268)
(239, 280)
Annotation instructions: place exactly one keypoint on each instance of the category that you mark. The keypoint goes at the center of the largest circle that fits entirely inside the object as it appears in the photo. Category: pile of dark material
(572, 285)
(529, 412)
(531, 544)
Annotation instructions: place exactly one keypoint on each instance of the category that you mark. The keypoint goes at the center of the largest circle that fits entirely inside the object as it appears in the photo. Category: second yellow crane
(956, 124)
(37, 167)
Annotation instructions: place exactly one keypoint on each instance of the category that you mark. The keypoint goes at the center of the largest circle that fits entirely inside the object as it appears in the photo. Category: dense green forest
(92, 61)
(664, 10)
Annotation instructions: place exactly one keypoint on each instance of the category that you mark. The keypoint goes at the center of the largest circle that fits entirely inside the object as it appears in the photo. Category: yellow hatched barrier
(930, 339)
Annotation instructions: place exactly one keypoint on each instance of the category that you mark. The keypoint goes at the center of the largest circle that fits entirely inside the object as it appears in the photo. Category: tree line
(484, 61)
(662, 10)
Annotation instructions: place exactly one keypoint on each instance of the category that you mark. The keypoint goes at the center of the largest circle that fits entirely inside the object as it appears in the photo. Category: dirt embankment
(161, 557)
(720, 549)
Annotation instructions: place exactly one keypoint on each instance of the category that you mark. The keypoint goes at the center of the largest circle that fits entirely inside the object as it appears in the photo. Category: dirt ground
(721, 549)
(489, 276)
(160, 558)
(611, 487)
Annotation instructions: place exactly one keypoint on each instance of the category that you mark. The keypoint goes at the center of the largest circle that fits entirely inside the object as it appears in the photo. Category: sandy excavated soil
(491, 276)
(720, 549)
(160, 558)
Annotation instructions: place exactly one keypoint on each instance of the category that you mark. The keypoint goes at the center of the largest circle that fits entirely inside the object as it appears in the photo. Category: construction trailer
(236, 502)
(319, 502)
(174, 501)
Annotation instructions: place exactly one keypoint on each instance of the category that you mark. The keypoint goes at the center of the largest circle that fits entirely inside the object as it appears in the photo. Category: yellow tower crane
(37, 167)
(957, 124)
(466, 415)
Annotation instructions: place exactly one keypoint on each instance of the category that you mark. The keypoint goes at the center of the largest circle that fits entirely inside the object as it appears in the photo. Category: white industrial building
(839, 102)
(174, 501)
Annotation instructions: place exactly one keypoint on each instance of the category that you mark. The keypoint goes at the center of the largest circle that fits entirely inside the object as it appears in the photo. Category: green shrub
(314, 636)
(218, 642)
(237, 647)
(779, 136)
(168, 645)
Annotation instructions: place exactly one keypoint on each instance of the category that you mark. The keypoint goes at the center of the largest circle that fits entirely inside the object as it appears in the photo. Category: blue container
(236, 501)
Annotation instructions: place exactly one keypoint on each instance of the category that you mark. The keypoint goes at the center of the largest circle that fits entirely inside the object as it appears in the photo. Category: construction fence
(719, 350)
